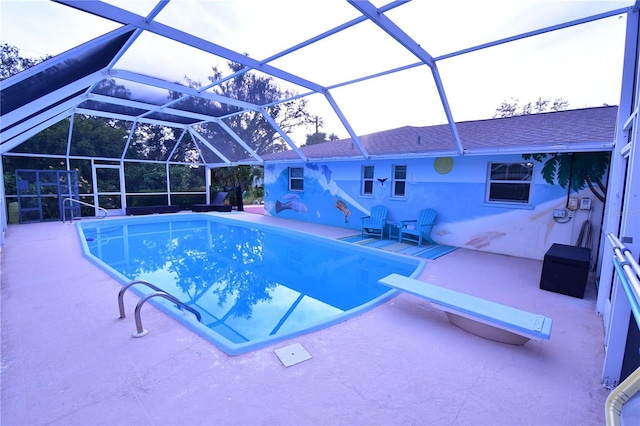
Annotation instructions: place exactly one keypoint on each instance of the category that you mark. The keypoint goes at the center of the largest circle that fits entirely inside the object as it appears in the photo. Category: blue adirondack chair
(419, 230)
(375, 223)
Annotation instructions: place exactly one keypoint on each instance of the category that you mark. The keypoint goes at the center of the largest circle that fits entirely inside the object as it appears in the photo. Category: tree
(513, 107)
(575, 170)
(251, 126)
(12, 63)
(316, 138)
(239, 175)
(320, 137)
(243, 176)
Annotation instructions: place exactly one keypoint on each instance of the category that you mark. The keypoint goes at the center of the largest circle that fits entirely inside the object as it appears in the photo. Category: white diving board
(481, 317)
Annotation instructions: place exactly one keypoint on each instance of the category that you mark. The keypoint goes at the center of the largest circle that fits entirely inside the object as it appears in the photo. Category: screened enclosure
(152, 102)
(157, 102)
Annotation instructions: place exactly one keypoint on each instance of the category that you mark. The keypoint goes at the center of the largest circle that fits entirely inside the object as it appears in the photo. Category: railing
(126, 287)
(628, 272)
(140, 331)
(84, 204)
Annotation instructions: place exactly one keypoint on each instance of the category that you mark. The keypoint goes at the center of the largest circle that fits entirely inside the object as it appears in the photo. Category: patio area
(68, 359)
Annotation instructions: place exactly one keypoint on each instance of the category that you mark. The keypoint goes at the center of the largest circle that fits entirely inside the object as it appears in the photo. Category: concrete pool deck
(68, 359)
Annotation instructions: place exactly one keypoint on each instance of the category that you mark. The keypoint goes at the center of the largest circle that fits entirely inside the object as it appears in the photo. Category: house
(496, 201)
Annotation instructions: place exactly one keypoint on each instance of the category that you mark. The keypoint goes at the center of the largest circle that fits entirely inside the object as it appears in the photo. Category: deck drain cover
(292, 354)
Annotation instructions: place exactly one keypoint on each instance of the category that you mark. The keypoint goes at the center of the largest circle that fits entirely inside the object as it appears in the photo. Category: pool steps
(481, 317)
(140, 331)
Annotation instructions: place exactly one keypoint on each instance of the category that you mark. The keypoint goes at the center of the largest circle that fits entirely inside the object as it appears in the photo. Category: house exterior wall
(332, 196)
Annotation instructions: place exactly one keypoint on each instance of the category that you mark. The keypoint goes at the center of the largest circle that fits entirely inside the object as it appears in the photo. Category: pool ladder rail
(158, 292)
(73, 200)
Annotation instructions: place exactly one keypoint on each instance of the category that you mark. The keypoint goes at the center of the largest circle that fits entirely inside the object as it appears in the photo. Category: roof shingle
(579, 126)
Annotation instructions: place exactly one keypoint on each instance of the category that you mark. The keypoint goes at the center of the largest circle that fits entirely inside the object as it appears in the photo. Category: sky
(582, 64)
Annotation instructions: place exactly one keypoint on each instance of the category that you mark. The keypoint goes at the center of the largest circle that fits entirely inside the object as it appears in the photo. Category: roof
(587, 129)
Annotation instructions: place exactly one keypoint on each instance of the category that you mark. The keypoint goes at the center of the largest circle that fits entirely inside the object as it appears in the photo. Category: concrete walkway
(68, 360)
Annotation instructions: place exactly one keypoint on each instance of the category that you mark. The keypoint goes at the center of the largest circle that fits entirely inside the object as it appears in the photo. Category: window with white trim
(296, 179)
(367, 180)
(399, 180)
(509, 182)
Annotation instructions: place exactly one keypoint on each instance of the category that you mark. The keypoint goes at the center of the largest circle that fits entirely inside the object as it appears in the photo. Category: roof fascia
(315, 160)
(558, 148)
(116, 14)
(537, 149)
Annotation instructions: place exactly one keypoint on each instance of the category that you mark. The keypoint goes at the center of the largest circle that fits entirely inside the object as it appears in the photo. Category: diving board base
(482, 329)
(481, 317)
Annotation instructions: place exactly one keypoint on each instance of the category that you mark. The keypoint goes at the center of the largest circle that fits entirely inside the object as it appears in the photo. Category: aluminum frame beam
(387, 25)
(139, 23)
(124, 17)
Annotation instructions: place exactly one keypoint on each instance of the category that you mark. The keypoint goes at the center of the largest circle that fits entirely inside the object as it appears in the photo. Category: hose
(585, 240)
(584, 237)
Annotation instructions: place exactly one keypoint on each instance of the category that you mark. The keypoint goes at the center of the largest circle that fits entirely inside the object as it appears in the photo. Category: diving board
(481, 317)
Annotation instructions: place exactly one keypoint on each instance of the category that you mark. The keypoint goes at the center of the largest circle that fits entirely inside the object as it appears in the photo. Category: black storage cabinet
(565, 270)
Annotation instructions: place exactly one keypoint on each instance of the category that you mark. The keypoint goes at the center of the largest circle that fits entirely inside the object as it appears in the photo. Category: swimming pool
(253, 284)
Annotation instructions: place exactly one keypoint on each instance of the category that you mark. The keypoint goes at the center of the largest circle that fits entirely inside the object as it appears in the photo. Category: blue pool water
(253, 284)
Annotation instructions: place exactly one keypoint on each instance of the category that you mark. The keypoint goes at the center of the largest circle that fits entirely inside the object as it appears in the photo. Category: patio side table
(393, 230)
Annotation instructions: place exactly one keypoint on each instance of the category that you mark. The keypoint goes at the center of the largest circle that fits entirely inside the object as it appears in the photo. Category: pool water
(253, 284)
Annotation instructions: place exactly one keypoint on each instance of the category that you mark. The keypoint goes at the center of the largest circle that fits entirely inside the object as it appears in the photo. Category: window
(296, 179)
(399, 180)
(367, 180)
(510, 182)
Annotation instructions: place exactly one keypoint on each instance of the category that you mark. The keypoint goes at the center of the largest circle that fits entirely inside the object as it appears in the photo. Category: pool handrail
(126, 287)
(140, 331)
(84, 204)
(628, 272)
